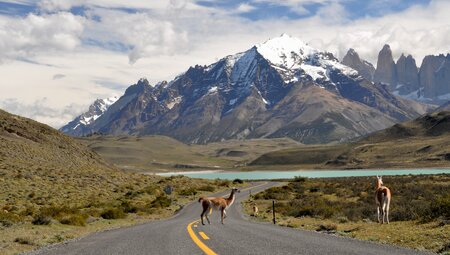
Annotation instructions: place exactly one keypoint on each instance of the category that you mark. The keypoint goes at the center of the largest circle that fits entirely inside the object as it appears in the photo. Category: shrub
(161, 201)
(188, 192)
(299, 179)
(327, 227)
(23, 240)
(41, 219)
(151, 190)
(113, 213)
(222, 183)
(238, 181)
(208, 188)
(441, 207)
(74, 220)
(7, 219)
(128, 208)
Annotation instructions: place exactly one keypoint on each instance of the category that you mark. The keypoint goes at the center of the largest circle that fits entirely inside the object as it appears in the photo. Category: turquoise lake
(268, 175)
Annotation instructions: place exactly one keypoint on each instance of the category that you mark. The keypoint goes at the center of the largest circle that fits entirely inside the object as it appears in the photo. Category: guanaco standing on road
(217, 203)
(383, 199)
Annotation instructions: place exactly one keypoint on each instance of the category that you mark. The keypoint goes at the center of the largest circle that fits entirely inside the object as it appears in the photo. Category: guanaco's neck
(378, 184)
(230, 199)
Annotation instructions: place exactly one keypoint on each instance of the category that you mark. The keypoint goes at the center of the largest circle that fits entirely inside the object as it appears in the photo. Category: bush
(128, 208)
(208, 188)
(74, 220)
(23, 240)
(41, 219)
(327, 227)
(238, 181)
(222, 183)
(7, 219)
(113, 213)
(299, 179)
(441, 207)
(161, 201)
(188, 192)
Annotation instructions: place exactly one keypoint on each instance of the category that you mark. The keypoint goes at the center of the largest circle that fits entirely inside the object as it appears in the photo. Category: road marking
(203, 235)
(197, 241)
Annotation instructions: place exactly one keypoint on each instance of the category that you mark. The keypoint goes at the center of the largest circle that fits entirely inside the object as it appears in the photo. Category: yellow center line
(197, 241)
(203, 235)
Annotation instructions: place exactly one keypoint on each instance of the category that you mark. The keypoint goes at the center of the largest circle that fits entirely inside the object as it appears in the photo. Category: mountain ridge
(243, 96)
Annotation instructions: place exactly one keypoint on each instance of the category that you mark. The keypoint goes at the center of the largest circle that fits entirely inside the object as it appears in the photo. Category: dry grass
(420, 209)
(54, 188)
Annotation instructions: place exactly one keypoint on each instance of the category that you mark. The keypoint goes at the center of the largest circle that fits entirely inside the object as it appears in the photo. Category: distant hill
(161, 153)
(423, 142)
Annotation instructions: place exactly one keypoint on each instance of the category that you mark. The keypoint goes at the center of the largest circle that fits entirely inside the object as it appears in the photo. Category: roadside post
(273, 211)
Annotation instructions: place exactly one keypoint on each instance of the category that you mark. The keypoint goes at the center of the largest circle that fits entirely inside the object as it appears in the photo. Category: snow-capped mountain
(81, 124)
(294, 59)
(282, 87)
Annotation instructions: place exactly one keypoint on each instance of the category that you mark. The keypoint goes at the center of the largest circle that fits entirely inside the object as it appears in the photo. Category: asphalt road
(182, 235)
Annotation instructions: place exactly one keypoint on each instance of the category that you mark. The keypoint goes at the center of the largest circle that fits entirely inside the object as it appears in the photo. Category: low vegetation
(54, 188)
(420, 208)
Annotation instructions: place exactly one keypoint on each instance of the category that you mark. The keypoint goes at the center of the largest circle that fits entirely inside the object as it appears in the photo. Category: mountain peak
(284, 43)
(386, 47)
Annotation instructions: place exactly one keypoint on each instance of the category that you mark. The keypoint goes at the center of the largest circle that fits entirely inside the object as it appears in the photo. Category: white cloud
(145, 34)
(58, 5)
(41, 111)
(166, 37)
(34, 34)
(298, 6)
(245, 7)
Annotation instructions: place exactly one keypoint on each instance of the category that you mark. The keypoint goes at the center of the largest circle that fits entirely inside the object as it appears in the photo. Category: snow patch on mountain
(174, 102)
(288, 55)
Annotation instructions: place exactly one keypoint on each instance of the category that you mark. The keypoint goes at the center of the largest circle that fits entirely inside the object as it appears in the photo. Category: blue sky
(97, 48)
(261, 9)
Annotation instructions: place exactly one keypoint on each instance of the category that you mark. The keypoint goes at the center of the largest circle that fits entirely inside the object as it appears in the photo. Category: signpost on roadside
(273, 211)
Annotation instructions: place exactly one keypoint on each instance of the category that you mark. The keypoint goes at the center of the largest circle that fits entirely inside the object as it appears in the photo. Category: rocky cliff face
(430, 83)
(407, 75)
(279, 88)
(364, 68)
(386, 71)
(442, 77)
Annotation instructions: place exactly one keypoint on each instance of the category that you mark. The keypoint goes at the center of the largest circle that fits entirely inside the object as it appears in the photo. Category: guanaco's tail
(200, 199)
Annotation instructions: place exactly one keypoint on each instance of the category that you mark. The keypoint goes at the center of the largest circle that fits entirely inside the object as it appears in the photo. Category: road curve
(182, 235)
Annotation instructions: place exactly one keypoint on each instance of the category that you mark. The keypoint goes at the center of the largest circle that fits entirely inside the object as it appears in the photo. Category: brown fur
(218, 203)
(383, 200)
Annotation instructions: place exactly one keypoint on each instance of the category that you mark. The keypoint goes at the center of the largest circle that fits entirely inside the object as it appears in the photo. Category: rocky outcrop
(386, 71)
(428, 74)
(407, 75)
(442, 77)
(364, 68)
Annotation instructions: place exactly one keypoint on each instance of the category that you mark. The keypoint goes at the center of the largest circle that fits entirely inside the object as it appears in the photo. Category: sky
(58, 56)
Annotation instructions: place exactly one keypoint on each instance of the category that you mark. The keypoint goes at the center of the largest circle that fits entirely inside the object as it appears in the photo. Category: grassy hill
(54, 187)
(423, 142)
(161, 153)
